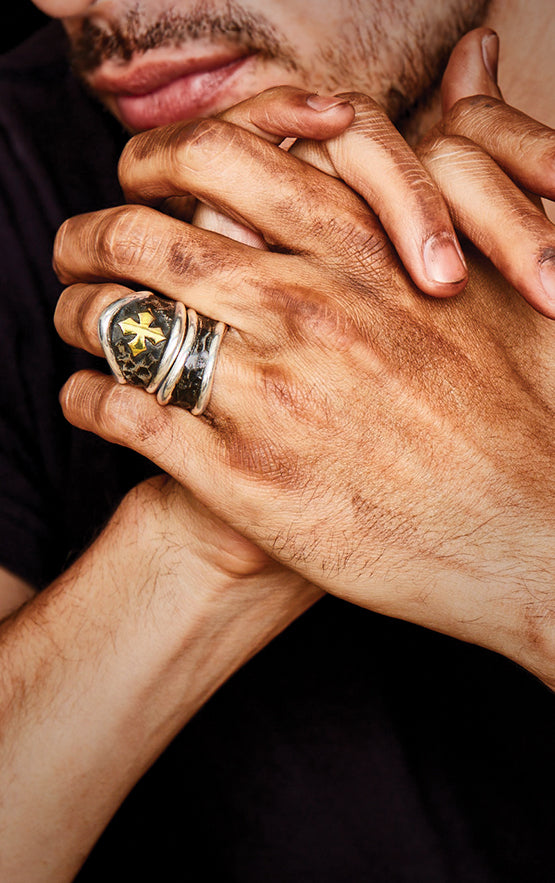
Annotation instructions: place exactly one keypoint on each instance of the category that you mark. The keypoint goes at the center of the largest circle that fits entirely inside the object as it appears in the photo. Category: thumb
(472, 68)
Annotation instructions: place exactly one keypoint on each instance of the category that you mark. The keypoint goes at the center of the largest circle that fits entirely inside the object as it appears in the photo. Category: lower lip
(182, 99)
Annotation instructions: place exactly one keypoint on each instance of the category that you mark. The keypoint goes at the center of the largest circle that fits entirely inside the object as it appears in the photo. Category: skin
(444, 378)
(377, 49)
(87, 703)
(433, 571)
(341, 50)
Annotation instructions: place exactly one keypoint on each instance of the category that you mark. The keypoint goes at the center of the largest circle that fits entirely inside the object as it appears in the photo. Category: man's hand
(396, 450)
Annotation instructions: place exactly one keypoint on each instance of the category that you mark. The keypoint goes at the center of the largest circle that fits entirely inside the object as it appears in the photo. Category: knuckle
(203, 145)
(129, 415)
(144, 160)
(123, 239)
(139, 148)
(468, 111)
(536, 144)
(362, 241)
(318, 321)
(259, 456)
(546, 139)
(442, 150)
(282, 393)
(154, 429)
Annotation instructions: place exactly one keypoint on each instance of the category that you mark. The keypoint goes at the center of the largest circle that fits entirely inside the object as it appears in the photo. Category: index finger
(276, 114)
(369, 155)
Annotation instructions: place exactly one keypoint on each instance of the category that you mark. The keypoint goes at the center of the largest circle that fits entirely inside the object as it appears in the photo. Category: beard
(396, 52)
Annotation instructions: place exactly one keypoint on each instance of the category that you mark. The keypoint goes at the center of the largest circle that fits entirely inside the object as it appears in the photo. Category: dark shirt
(354, 747)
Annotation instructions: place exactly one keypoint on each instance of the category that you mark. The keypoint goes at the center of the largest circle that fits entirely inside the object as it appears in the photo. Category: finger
(212, 463)
(393, 164)
(288, 112)
(278, 113)
(472, 68)
(131, 417)
(510, 230)
(524, 148)
(399, 190)
(274, 115)
(254, 182)
(78, 311)
(221, 278)
(294, 207)
(474, 109)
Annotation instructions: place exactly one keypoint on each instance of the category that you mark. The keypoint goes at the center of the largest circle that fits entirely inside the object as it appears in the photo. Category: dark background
(22, 19)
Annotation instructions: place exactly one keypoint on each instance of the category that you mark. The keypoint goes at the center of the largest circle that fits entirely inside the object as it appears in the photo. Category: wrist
(195, 600)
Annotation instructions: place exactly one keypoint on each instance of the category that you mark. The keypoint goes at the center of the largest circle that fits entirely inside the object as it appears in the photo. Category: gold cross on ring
(142, 330)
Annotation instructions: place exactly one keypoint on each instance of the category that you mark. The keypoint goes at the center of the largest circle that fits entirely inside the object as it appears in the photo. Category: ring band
(169, 383)
(159, 345)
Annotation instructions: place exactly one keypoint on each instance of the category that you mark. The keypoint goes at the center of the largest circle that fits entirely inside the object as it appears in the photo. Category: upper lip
(146, 74)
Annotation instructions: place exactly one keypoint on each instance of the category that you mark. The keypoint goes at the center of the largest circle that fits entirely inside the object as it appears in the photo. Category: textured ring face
(153, 342)
(188, 388)
(139, 330)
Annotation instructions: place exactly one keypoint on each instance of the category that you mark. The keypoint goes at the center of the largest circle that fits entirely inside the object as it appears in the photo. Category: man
(109, 690)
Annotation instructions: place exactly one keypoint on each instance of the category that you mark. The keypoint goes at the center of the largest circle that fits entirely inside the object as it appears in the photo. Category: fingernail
(490, 54)
(443, 260)
(547, 276)
(324, 102)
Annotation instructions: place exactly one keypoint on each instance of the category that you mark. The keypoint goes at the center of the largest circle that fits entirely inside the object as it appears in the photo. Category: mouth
(155, 91)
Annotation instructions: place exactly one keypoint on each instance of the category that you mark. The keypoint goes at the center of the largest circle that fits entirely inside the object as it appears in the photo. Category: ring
(163, 347)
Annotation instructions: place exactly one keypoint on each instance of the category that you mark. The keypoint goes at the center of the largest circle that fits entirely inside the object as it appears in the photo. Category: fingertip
(442, 291)
(490, 54)
(444, 264)
(472, 68)
(288, 111)
(447, 290)
(329, 116)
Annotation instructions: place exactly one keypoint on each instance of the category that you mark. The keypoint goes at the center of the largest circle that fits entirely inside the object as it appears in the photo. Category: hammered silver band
(163, 347)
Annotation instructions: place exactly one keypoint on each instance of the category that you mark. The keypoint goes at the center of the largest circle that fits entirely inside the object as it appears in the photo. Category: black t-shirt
(354, 747)
(58, 155)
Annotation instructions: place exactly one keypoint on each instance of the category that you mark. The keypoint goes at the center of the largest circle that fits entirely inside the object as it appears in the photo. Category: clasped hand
(393, 448)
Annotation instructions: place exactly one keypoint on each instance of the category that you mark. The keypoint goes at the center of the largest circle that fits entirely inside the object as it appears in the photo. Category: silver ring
(155, 343)
(208, 374)
(173, 346)
(167, 387)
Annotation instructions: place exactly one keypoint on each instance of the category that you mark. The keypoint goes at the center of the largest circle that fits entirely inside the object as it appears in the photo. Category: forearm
(99, 673)
(15, 592)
